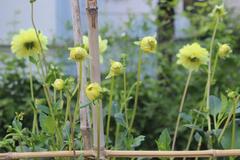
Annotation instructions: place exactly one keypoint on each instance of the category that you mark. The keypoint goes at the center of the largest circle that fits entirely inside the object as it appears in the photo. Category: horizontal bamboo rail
(116, 153)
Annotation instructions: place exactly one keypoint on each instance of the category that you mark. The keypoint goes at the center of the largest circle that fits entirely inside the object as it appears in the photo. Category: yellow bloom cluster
(192, 56)
(115, 69)
(78, 54)
(26, 43)
(93, 91)
(148, 44)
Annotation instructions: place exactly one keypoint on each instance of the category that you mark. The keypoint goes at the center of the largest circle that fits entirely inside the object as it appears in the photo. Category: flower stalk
(181, 108)
(110, 109)
(137, 90)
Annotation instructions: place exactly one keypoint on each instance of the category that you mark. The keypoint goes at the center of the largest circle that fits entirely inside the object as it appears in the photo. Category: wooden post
(84, 112)
(92, 12)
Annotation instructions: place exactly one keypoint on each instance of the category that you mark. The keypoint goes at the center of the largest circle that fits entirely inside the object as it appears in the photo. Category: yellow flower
(102, 44)
(93, 91)
(224, 50)
(78, 54)
(115, 69)
(58, 84)
(192, 56)
(27, 44)
(148, 44)
(218, 11)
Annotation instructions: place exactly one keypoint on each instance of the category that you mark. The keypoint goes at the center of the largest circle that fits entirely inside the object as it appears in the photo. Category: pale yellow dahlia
(93, 91)
(115, 69)
(26, 43)
(78, 54)
(148, 44)
(192, 56)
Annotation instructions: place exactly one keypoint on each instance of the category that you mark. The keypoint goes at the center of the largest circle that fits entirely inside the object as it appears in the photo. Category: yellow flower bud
(218, 11)
(232, 94)
(224, 51)
(148, 44)
(78, 54)
(115, 69)
(58, 84)
(93, 91)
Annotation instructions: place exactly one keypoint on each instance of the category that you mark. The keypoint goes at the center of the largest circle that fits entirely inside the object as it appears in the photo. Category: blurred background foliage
(163, 80)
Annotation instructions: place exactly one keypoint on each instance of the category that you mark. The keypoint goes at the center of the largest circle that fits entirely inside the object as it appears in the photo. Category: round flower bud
(78, 53)
(232, 94)
(93, 91)
(58, 84)
(115, 69)
(218, 11)
(224, 51)
(148, 44)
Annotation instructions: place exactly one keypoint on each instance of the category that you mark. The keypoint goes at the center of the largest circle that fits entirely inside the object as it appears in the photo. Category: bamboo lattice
(125, 154)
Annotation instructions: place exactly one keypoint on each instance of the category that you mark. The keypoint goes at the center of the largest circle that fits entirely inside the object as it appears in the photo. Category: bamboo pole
(85, 126)
(46, 154)
(126, 154)
(92, 14)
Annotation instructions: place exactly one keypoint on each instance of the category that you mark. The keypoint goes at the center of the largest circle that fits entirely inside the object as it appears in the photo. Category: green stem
(209, 77)
(98, 130)
(61, 100)
(234, 124)
(123, 107)
(180, 109)
(44, 70)
(68, 108)
(54, 95)
(137, 90)
(34, 125)
(214, 66)
(226, 124)
(109, 110)
(125, 95)
(77, 106)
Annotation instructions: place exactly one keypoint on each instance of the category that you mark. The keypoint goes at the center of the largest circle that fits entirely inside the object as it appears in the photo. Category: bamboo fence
(92, 12)
(123, 154)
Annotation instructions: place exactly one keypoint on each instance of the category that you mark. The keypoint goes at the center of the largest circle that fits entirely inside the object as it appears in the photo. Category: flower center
(151, 44)
(193, 59)
(29, 45)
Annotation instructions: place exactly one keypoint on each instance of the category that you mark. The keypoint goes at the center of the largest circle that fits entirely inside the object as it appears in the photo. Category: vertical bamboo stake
(92, 13)
(84, 112)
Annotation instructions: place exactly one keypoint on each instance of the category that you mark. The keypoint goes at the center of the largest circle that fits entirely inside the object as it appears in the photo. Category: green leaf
(119, 117)
(215, 105)
(164, 140)
(186, 117)
(33, 60)
(137, 141)
(47, 124)
(43, 109)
